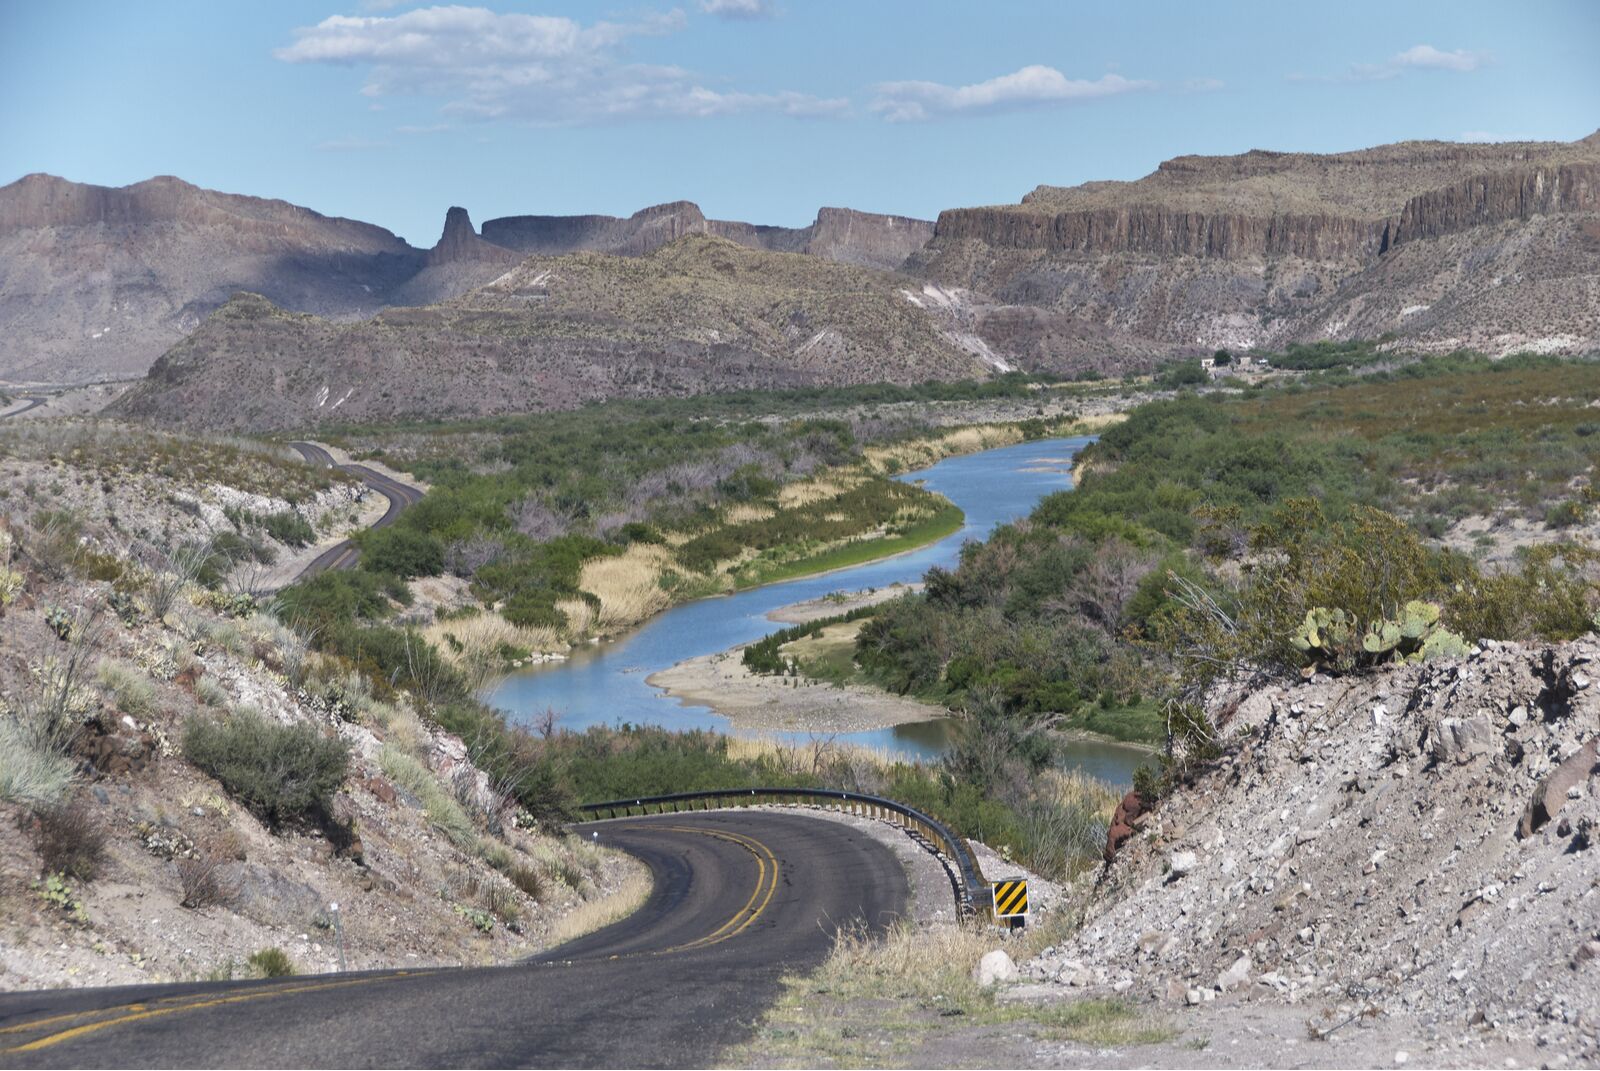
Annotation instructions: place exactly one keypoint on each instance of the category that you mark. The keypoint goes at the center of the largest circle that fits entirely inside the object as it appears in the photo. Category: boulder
(995, 967)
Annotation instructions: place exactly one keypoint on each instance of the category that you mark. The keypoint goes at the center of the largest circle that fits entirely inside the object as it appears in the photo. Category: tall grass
(594, 915)
(441, 809)
(628, 585)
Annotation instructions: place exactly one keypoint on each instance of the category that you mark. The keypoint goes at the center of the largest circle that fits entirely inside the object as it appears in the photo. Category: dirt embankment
(1413, 849)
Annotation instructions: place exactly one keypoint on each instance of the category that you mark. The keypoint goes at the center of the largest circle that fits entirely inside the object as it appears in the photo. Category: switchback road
(740, 898)
(400, 495)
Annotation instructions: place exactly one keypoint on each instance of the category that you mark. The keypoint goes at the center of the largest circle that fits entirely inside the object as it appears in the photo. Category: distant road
(740, 898)
(34, 401)
(400, 495)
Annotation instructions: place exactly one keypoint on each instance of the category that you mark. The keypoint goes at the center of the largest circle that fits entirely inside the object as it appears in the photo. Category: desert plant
(202, 882)
(278, 771)
(272, 963)
(130, 687)
(69, 841)
(528, 879)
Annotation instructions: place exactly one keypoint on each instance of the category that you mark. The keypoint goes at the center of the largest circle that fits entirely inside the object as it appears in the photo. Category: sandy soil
(799, 613)
(760, 703)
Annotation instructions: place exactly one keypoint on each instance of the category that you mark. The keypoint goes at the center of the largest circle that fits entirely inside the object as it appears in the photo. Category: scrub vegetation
(1233, 536)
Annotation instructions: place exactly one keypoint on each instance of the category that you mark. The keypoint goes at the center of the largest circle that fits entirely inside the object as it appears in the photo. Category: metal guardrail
(966, 878)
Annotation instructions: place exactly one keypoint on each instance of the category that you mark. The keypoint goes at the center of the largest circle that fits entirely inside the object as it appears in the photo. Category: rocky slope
(842, 234)
(701, 314)
(1416, 845)
(98, 282)
(1491, 246)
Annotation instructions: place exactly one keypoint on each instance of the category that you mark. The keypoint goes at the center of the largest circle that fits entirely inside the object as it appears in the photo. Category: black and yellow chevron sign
(1010, 898)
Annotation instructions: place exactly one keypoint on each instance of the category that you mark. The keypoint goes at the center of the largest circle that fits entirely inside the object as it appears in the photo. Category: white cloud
(1427, 57)
(1033, 86)
(740, 9)
(533, 67)
(1415, 58)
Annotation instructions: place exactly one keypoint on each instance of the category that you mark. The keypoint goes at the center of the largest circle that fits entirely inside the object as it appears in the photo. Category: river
(604, 684)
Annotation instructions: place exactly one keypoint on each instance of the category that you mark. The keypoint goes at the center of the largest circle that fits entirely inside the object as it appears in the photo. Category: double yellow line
(767, 874)
(141, 1010)
(766, 886)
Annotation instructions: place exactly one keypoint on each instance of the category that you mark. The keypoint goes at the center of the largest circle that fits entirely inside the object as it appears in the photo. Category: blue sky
(760, 110)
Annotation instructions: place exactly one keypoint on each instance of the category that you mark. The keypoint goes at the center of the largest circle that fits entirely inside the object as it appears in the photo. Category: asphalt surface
(345, 555)
(34, 401)
(740, 898)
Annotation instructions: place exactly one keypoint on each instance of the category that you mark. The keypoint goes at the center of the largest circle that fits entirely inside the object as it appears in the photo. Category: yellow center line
(746, 914)
(141, 1011)
(751, 845)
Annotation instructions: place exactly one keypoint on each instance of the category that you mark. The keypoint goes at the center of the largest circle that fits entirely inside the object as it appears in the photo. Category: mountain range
(1433, 245)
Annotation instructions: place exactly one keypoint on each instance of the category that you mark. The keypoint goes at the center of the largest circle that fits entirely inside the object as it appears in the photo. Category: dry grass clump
(580, 615)
(877, 997)
(481, 639)
(70, 841)
(598, 914)
(628, 585)
(920, 453)
(820, 489)
(745, 512)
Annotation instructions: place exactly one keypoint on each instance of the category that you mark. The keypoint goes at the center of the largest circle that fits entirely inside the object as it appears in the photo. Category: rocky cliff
(1265, 248)
(98, 282)
(862, 238)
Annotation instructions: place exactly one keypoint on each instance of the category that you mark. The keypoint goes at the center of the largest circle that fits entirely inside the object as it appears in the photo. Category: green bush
(400, 551)
(278, 771)
(289, 528)
(272, 963)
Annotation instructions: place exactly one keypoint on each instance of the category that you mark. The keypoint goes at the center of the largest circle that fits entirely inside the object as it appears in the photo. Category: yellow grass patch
(747, 512)
(597, 914)
(482, 637)
(819, 489)
(920, 453)
(628, 585)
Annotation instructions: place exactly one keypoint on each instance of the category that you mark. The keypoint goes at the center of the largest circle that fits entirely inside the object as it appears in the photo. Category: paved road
(400, 495)
(34, 401)
(740, 897)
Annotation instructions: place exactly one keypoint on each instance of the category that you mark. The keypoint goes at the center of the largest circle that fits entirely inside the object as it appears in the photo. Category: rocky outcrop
(1498, 197)
(1441, 244)
(460, 242)
(850, 237)
(1157, 231)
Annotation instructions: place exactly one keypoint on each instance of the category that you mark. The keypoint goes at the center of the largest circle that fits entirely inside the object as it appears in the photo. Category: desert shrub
(69, 841)
(289, 528)
(34, 768)
(278, 771)
(272, 963)
(528, 879)
(442, 811)
(128, 685)
(202, 882)
(1565, 514)
(400, 551)
(338, 596)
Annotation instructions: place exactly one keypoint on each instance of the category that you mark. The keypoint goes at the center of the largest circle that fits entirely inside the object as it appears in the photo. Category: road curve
(34, 401)
(344, 555)
(740, 898)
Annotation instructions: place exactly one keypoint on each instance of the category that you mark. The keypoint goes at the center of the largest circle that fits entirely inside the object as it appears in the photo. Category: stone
(995, 967)
(1181, 863)
(1237, 974)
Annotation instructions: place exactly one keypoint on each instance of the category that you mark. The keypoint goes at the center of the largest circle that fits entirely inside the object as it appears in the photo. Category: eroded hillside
(702, 314)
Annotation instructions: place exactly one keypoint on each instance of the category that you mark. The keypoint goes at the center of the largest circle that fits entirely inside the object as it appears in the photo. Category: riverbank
(756, 702)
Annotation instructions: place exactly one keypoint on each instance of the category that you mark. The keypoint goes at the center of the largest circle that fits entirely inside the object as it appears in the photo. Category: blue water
(605, 684)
